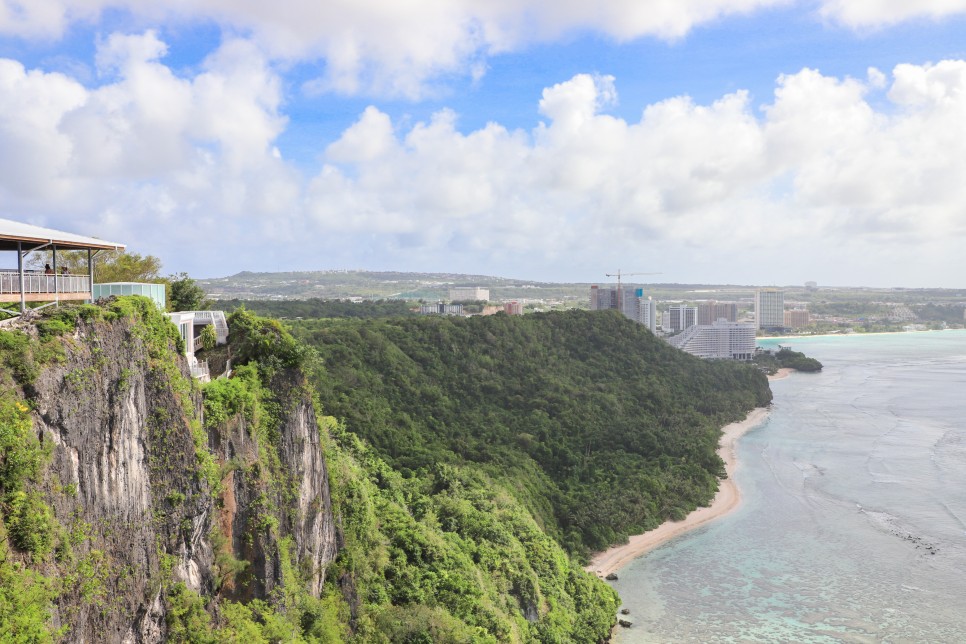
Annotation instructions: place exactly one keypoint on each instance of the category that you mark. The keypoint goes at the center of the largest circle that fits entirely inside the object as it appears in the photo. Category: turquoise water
(852, 526)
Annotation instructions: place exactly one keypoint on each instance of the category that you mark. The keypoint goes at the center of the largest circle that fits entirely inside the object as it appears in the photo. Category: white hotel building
(721, 340)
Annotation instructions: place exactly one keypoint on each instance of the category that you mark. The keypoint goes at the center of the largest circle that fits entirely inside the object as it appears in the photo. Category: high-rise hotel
(769, 308)
(632, 303)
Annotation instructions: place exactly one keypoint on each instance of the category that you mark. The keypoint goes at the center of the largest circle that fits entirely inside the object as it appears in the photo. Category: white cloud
(188, 167)
(880, 13)
(148, 150)
(820, 172)
(401, 48)
(389, 48)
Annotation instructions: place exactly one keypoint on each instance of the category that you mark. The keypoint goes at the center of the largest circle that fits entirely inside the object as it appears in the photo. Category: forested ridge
(407, 480)
(598, 427)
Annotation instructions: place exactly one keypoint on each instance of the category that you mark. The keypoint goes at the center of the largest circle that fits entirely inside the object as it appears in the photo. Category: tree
(109, 266)
(184, 294)
(126, 267)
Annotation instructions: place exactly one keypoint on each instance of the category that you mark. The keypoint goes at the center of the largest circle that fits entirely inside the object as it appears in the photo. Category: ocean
(852, 526)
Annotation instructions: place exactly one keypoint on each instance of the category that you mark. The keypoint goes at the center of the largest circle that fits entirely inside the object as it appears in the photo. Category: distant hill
(376, 285)
(855, 305)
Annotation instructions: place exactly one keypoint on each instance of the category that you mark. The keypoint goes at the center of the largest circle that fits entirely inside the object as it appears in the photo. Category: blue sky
(738, 141)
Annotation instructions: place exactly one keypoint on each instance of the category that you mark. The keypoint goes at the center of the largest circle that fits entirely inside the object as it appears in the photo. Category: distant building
(469, 294)
(769, 308)
(680, 317)
(441, 309)
(647, 313)
(708, 312)
(190, 325)
(721, 340)
(811, 286)
(796, 318)
(632, 303)
(513, 308)
(602, 299)
(629, 302)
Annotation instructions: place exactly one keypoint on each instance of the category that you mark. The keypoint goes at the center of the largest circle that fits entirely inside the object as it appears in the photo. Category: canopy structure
(50, 285)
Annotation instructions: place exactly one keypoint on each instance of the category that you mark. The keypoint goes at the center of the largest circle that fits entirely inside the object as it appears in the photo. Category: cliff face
(138, 497)
(122, 439)
(284, 480)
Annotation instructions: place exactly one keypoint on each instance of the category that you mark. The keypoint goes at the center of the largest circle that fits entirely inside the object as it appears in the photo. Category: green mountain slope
(598, 427)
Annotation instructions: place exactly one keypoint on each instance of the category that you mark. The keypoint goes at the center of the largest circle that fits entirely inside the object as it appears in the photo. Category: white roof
(12, 232)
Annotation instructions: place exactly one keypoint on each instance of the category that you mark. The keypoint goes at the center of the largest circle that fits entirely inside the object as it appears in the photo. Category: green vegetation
(318, 308)
(26, 601)
(785, 358)
(473, 464)
(184, 294)
(109, 266)
(600, 429)
(797, 360)
(446, 555)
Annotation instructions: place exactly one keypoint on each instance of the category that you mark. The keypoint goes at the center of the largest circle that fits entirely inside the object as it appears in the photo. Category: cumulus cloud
(399, 49)
(879, 13)
(194, 156)
(833, 171)
(819, 166)
(388, 47)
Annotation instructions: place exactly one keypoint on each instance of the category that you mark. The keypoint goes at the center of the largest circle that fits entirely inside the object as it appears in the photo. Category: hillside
(407, 480)
(601, 429)
(137, 506)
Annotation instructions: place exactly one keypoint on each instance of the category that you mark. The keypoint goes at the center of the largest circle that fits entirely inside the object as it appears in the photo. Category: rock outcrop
(127, 481)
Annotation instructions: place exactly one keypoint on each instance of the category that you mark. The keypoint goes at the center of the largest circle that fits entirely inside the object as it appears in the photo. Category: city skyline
(761, 141)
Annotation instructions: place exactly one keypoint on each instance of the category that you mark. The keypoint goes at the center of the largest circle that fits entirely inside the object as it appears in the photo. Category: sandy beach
(781, 373)
(726, 500)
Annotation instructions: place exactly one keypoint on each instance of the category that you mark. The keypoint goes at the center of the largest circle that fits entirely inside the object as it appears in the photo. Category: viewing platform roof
(12, 232)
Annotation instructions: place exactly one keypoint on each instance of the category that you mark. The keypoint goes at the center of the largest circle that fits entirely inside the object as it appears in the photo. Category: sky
(709, 141)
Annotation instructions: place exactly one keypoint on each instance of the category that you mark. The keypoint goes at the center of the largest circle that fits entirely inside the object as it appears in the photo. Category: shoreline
(845, 335)
(725, 501)
(780, 374)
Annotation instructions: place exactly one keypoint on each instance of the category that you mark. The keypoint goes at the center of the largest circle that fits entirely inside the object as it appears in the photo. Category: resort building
(513, 308)
(796, 318)
(708, 312)
(639, 308)
(469, 294)
(441, 309)
(722, 340)
(602, 299)
(51, 284)
(647, 313)
(769, 308)
(632, 303)
(680, 317)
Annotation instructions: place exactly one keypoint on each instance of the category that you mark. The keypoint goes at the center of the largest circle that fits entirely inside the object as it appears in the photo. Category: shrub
(31, 523)
(21, 454)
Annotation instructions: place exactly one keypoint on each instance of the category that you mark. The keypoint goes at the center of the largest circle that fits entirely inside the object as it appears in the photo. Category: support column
(90, 273)
(56, 278)
(23, 300)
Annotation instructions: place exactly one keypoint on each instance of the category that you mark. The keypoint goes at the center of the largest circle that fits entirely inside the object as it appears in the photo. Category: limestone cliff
(140, 490)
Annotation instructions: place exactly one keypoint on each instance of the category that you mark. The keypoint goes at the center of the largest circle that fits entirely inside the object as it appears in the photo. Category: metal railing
(200, 371)
(215, 318)
(34, 282)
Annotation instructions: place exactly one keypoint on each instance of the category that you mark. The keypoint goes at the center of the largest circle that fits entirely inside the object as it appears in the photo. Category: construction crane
(620, 291)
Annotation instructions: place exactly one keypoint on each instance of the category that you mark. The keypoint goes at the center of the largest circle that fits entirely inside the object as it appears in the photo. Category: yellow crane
(620, 291)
